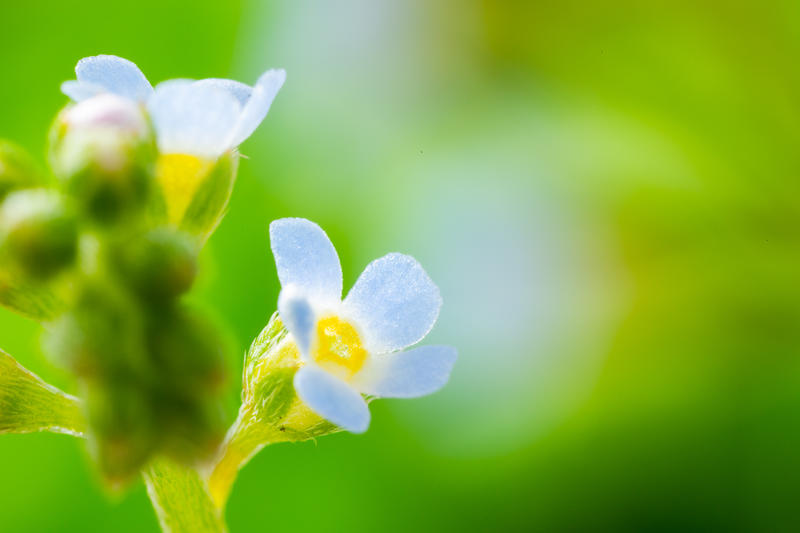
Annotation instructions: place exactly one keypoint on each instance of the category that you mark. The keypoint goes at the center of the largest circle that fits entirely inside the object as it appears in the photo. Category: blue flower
(353, 347)
(203, 118)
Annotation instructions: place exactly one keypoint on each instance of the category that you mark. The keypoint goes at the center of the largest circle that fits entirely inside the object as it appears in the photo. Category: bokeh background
(606, 193)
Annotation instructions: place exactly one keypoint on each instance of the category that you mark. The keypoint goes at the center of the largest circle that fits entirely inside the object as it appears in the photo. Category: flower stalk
(180, 499)
(245, 439)
(270, 412)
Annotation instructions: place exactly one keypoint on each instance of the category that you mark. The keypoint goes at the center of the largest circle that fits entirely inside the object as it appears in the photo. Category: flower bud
(123, 434)
(37, 232)
(102, 336)
(191, 427)
(102, 150)
(17, 169)
(187, 355)
(187, 351)
(108, 111)
(160, 265)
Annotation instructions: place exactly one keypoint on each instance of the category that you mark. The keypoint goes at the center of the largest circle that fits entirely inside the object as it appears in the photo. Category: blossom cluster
(104, 253)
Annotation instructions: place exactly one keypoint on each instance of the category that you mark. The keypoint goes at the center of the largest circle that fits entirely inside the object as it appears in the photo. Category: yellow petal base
(179, 176)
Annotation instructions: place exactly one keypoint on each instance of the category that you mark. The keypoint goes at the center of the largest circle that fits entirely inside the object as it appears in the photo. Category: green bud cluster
(97, 241)
(151, 374)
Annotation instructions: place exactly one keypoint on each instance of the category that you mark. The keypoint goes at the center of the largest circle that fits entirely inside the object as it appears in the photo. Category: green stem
(181, 499)
(245, 439)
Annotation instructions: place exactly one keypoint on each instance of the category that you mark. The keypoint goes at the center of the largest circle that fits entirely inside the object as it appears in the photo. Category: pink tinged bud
(108, 111)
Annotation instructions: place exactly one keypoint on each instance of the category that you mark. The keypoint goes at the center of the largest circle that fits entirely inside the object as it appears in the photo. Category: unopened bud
(101, 336)
(185, 345)
(38, 232)
(103, 151)
(188, 358)
(107, 111)
(160, 265)
(123, 433)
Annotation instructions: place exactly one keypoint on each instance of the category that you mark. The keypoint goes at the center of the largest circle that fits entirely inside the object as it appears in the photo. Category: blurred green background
(606, 193)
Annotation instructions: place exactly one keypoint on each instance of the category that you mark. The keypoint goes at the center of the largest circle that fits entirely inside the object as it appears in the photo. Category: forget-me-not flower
(353, 346)
(195, 122)
(202, 118)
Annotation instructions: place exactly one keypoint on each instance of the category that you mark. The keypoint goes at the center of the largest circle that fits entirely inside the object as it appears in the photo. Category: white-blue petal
(411, 374)
(79, 90)
(116, 75)
(239, 90)
(298, 317)
(257, 106)
(332, 399)
(395, 303)
(305, 257)
(174, 82)
(192, 119)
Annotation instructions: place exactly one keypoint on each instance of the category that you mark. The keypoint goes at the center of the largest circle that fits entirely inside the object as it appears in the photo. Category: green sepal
(210, 200)
(261, 350)
(268, 395)
(274, 395)
(28, 404)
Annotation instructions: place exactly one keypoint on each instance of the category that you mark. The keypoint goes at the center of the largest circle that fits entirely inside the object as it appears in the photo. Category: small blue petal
(305, 257)
(239, 90)
(78, 90)
(192, 119)
(298, 317)
(332, 399)
(417, 372)
(395, 303)
(258, 105)
(115, 75)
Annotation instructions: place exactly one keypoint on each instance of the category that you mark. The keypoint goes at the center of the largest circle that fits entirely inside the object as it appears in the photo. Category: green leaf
(28, 404)
(181, 499)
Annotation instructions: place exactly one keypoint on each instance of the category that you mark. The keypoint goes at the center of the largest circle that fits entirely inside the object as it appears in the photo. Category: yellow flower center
(179, 176)
(338, 347)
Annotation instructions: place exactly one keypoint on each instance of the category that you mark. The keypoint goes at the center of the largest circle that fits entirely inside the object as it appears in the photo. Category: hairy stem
(181, 499)
(245, 439)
